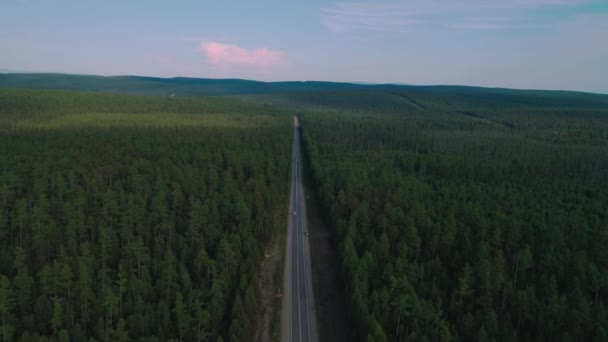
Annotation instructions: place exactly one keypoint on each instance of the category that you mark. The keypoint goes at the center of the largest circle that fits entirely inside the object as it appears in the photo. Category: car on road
(307, 233)
(294, 213)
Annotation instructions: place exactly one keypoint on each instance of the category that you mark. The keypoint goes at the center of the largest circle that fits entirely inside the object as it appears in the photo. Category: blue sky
(546, 44)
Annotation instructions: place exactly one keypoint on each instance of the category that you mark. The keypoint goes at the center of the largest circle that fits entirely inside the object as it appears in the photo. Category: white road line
(291, 276)
(297, 248)
(300, 258)
(300, 221)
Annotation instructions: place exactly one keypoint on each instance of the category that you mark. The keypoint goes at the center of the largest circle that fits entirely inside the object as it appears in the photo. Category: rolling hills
(457, 213)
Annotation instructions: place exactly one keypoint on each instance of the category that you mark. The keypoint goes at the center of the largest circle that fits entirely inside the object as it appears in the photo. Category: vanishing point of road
(298, 315)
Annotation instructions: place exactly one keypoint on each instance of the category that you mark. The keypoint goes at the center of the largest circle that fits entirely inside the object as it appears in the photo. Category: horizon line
(399, 84)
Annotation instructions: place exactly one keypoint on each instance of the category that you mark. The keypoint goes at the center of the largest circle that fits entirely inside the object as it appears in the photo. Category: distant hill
(320, 95)
(180, 86)
(391, 99)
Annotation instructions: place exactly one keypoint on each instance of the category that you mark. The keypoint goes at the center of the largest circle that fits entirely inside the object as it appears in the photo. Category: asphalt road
(298, 317)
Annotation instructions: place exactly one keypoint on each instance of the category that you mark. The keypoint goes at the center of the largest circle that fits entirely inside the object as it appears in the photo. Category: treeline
(136, 233)
(37, 105)
(453, 225)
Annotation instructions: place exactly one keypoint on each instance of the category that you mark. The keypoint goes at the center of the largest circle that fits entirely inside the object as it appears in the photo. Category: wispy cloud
(230, 54)
(493, 23)
(403, 15)
(354, 16)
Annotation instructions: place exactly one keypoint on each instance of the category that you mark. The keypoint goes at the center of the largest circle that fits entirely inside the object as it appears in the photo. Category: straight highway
(298, 312)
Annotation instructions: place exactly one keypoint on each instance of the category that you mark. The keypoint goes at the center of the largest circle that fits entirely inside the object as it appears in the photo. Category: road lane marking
(297, 244)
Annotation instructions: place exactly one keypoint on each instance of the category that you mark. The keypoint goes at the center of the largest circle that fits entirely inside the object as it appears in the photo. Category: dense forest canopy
(136, 218)
(459, 213)
(463, 216)
(180, 86)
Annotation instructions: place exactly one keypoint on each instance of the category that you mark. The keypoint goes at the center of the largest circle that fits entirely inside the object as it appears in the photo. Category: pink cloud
(218, 53)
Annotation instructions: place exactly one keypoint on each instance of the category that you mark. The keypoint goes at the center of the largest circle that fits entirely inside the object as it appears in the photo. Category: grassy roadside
(279, 267)
(277, 281)
(269, 287)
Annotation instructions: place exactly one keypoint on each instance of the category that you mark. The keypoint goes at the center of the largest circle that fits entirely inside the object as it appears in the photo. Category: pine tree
(182, 316)
(86, 283)
(7, 303)
(121, 282)
(57, 320)
(168, 273)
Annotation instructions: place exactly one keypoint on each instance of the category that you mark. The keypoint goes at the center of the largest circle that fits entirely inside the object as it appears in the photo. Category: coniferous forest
(457, 214)
(466, 217)
(136, 218)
